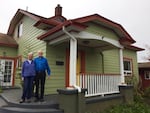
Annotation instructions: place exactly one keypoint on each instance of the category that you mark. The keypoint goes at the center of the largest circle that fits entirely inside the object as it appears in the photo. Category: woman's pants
(27, 87)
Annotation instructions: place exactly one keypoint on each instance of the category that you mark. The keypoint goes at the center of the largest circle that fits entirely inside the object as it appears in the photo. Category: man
(41, 66)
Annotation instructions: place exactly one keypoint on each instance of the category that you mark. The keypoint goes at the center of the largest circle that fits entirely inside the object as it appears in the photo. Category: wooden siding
(28, 41)
(57, 79)
(10, 52)
(93, 61)
(111, 61)
(133, 56)
(101, 31)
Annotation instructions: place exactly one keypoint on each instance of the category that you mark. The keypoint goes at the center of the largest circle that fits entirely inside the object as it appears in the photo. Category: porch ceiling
(101, 45)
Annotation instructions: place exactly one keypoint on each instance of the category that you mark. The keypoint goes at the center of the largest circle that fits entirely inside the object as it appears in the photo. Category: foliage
(137, 107)
(147, 92)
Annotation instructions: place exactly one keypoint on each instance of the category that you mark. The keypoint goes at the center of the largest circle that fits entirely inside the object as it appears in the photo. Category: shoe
(28, 101)
(22, 101)
(36, 100)
(41, 100)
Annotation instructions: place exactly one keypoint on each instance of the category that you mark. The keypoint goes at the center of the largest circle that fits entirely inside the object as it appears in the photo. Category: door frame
(14, 59)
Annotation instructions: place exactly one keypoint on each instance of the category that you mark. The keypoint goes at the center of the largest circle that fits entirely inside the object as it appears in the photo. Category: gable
(101, 31)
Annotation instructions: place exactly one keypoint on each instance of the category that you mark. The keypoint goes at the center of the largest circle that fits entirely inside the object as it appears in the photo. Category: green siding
(93, 61)
(101, 31)
(11, 52)
(132, 55)
(57, 79)
(28, 42)
(111, 61)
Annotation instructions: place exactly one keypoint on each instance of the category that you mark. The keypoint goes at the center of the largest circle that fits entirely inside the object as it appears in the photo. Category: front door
(6, 72)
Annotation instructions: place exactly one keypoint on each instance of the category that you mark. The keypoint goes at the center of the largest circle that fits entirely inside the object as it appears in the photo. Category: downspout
(102, 62)
(66, 32)
(73, 58)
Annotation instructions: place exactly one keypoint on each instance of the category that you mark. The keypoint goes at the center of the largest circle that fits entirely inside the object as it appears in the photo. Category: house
(144, 74)
(90, 52)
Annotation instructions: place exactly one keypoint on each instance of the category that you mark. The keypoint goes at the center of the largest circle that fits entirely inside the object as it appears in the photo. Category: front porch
(92, 62)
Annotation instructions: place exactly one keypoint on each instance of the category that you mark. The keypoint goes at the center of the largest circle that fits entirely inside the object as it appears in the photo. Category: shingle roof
(6, 40)
(144, 65)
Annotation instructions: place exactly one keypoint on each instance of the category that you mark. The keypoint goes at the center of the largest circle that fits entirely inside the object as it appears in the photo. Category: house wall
(111, 61)
(128, 54)
(28, 41)
(10, 52)
(101, 31)
(93, 61)
(144, 83)
(57, 79)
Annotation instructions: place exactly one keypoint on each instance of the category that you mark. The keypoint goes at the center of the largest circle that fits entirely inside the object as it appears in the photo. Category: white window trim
(148, 75)
(128, 72)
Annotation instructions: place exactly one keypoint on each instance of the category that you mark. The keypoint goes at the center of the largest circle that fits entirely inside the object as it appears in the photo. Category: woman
(28, 74)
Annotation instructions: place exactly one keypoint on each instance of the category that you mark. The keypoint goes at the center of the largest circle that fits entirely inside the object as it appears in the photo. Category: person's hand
(48, 77)
(22, 78)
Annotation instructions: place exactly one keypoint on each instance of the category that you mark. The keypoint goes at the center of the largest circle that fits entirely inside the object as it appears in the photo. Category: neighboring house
(144, 74)
(90, 52)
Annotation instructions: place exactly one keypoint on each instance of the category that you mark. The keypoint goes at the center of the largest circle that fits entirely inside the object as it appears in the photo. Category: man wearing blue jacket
(28, 74)
(41, 66)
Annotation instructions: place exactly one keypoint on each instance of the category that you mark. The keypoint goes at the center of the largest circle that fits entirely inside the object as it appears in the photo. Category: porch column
(73, 58)
(121, 66)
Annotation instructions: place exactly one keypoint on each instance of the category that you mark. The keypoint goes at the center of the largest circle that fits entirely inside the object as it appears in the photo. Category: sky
(133, 15)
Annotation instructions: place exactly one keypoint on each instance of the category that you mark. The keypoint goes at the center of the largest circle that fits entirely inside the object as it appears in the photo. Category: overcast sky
(133, 15)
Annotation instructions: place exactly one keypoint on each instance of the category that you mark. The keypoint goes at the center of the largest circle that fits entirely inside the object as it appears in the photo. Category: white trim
(121, 66)
(87, 35)
(73, 58)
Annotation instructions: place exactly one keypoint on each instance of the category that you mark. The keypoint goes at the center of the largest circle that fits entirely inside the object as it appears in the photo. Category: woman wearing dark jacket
(28, 74)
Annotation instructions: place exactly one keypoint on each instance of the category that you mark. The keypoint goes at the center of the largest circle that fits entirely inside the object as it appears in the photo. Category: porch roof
(8, 41)
(125, 38)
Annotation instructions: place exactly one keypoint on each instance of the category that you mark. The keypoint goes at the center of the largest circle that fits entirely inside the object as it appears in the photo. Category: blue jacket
(41, 64)
(28, 69)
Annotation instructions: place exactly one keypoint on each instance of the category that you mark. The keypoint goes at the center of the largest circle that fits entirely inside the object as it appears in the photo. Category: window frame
(20, 30)
(147, 78)
(130, 71)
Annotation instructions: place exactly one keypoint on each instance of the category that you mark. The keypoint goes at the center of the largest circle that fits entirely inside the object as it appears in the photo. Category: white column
(121, 66)
(73, 58)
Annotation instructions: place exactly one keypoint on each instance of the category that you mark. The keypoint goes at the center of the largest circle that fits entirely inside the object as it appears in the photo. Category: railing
(99, 84)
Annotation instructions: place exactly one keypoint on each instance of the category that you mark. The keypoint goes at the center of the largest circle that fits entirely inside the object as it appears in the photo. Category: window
(127, 67)
(20, 29)
(147, 75)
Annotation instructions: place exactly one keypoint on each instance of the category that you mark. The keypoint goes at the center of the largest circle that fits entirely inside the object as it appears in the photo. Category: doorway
(6, 72)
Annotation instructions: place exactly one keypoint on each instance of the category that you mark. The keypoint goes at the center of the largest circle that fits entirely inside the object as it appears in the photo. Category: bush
(147, 92)
(137, 107)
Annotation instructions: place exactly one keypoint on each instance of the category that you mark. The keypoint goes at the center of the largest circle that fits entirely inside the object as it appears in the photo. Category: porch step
(34, 107)
(8, 109)
(9, 103)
